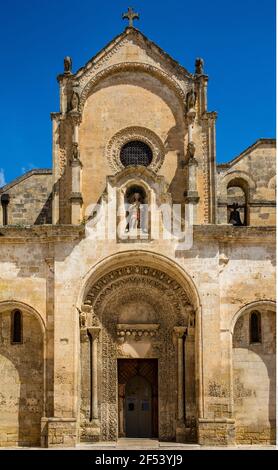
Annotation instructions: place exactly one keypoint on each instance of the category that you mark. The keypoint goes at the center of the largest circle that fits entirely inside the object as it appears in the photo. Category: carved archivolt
(112, 151)
(132, 278)
(93, 79)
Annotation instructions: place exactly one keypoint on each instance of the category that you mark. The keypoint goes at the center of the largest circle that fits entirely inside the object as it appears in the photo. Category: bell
(235, 216)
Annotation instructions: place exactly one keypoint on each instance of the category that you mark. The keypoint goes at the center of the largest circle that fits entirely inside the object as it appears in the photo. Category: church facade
(137, 277)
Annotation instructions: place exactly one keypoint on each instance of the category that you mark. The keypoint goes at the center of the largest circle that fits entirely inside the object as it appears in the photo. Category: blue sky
(236, 40)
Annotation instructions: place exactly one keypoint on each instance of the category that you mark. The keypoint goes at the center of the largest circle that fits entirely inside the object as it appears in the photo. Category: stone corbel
(136, 331)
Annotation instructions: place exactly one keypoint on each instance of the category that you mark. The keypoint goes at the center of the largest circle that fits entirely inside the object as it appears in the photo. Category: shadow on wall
(45, 216)
(21, 385)
(254, 378)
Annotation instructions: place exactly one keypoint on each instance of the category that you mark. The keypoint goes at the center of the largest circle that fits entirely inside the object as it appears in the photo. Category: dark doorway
(138, 398)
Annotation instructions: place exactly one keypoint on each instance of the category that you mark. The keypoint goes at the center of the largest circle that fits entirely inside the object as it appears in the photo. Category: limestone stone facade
(98, 289)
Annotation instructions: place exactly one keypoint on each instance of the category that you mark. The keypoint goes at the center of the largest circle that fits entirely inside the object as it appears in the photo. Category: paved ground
(147, 444)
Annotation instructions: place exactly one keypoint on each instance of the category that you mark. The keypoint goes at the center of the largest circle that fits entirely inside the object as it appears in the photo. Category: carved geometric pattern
(142, 134)
(171, 307)
(138, 276)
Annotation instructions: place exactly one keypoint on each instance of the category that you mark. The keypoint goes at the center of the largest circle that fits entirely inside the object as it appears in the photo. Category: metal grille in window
(136, 153)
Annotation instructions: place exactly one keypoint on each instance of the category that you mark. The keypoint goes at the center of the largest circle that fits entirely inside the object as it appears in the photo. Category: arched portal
(137, 312)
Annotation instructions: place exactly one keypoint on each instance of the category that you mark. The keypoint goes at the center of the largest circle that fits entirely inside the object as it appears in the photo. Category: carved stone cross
(130, 15)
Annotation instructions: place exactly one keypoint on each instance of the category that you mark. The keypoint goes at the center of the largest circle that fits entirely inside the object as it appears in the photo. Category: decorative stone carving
(67, 65)
(74, 102)
(112, 151)
(136, 331)
(75, 152)
(138, 275)
(92, 78)
(130, 16)
(170, 305)
(190, 100)
(191, 148)
(199, 66)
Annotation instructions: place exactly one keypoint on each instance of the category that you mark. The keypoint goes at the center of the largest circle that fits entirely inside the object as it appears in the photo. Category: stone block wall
(30, 199)
(58, 432)
(21, 383)
(254, 381)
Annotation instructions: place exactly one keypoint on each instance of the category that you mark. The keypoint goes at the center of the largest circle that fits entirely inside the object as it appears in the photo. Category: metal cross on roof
(130, 15)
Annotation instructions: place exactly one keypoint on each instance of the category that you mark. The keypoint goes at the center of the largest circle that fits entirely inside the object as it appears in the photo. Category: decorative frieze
(136, 331)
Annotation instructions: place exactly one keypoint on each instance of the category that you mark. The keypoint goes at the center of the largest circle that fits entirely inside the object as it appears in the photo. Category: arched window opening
(136, 209)
(16, 327)
(136, 153)
(237, 207)
(255, 327)
(5, 199)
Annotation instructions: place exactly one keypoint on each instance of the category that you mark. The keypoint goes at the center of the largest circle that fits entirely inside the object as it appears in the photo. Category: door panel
(138, 407)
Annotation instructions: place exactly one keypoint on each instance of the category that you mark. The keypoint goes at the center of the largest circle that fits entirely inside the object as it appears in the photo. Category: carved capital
(94, 332)
(190, 116)
(180, 331)
(75, 117)
(76, 197)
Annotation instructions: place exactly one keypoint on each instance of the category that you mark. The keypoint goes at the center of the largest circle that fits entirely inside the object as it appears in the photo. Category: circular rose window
(136, 153)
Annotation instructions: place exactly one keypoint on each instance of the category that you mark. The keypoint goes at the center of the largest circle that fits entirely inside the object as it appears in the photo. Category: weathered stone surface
(89, 300)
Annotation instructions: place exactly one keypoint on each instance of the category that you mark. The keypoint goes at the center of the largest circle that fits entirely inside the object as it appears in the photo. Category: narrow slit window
(5, 199)
(255, 327)
(16, 335)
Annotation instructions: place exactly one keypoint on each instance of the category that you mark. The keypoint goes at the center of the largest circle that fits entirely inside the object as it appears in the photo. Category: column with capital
(94, 334)
(180, 333)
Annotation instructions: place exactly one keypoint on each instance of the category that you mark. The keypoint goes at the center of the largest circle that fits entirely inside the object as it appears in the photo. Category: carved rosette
(112, 151)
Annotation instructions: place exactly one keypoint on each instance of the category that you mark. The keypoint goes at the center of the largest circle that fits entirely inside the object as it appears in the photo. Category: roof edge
(246, 151)
(117, 39)
(19, 179)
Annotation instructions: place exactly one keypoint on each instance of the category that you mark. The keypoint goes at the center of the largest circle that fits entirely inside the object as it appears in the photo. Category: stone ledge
(48, 233)
(41, 233)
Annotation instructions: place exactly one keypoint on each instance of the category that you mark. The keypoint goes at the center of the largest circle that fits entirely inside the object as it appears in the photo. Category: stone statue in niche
(74, 102)
(75, 152)
(82, 318)
(191, 148)
(94, 319)
(199, 66)
(134, 213)
(235, 215)
(67, 64)
(190, 99)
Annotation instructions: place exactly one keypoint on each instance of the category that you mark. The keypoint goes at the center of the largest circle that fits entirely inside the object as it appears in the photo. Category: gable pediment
(131, 50)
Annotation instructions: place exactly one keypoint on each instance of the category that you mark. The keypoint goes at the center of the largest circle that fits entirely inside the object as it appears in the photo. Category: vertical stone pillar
(94, 333)
(191, 194)
(76, 166)
(56, 119)
(180, 332)
(203, 85)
